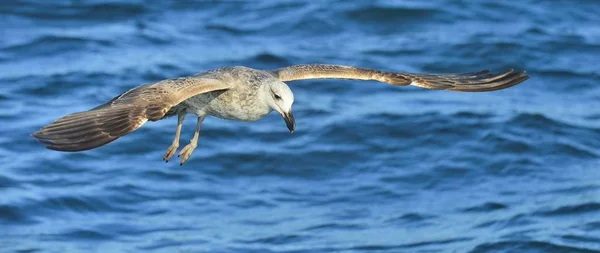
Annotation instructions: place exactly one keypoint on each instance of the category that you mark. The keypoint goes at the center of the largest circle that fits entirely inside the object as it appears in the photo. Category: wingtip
(522, 76)
(38, 135)
(524, 72)
(515, 82)
(35, 134)
(44, 141)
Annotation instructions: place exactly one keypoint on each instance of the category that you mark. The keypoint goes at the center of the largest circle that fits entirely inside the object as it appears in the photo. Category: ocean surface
(370, 168)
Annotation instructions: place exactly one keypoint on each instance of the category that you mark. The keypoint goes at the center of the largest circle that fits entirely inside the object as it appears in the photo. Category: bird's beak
(289, 120)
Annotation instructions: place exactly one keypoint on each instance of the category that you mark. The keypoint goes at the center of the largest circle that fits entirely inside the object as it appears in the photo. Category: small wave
(253, 203)
(86, 234)
(4, 97)
(572, 209)
(6, 182)
(527, 246)
(279, 239)
(162, 175)
(74, 203)
(592, 226)
(488, 50)
(333, 227)
(121, 229)
(593, 117)
(518, 220)
(264, 60)
(486, 207)
(411, 245)
(162, 244)
(10, 214)
(412, 217)
(378, 14)
(578, 189)
(278, 165)
(79, 12)
(51, 45)
(411, 220)
(398, 126)
(410, 179)
(261, 222)
(576, 150)
(50, 86)
(375, 193)
(508, 143)
(391, 52)
(472, 115)
(270, 58)
(580, 239)
(534, 120)
(568, 74)
(229, 29)
(127, 194)
(575, 145)
(537, 30)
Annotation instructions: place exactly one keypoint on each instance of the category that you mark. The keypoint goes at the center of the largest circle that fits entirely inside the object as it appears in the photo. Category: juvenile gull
(237, 93)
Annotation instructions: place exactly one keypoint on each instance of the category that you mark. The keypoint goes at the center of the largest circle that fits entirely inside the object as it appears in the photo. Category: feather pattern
(467, 82)
(123, 114)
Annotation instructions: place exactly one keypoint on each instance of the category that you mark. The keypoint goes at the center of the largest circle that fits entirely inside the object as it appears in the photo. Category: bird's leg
(173, 148)
(186, 152)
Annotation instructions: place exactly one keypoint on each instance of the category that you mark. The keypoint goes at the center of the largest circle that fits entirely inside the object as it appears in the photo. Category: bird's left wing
(123, 114)
(468, 82)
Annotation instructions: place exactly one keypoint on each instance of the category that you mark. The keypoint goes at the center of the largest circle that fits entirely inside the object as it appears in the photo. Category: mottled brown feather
(467, 82)
(122, 114)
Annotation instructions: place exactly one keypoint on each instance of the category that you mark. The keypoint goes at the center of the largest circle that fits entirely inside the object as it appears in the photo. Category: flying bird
(236, 93)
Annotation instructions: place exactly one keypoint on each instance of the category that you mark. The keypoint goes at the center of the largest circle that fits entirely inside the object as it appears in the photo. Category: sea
(370, 168)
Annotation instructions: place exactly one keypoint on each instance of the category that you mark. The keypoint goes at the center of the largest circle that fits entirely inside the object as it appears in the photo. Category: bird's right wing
(123, 114)
(469, 82)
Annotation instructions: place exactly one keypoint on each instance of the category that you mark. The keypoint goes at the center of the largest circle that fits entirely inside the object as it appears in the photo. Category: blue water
(371, 167)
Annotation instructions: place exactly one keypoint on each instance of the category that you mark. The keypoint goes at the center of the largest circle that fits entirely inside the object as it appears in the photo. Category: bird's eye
(276, 96)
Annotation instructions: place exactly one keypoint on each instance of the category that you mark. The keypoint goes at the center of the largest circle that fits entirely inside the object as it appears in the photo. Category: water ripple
(80, 12)
(372, 168)
(53, 44)
(572, 209)
(528, 246)
(487, 207)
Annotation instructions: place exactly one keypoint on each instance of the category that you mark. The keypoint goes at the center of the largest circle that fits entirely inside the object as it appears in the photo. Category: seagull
(235, 93)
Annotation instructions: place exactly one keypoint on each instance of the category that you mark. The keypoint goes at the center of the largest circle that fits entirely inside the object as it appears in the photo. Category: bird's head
(280, 98)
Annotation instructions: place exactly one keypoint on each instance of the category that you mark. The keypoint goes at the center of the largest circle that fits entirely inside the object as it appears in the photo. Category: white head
(280, 98)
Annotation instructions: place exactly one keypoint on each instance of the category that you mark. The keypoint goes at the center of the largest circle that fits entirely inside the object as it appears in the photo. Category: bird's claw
(170, 152)
(186, 152)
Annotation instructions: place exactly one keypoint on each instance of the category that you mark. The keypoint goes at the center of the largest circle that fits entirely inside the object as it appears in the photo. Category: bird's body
(235, 93)
(240, 102)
